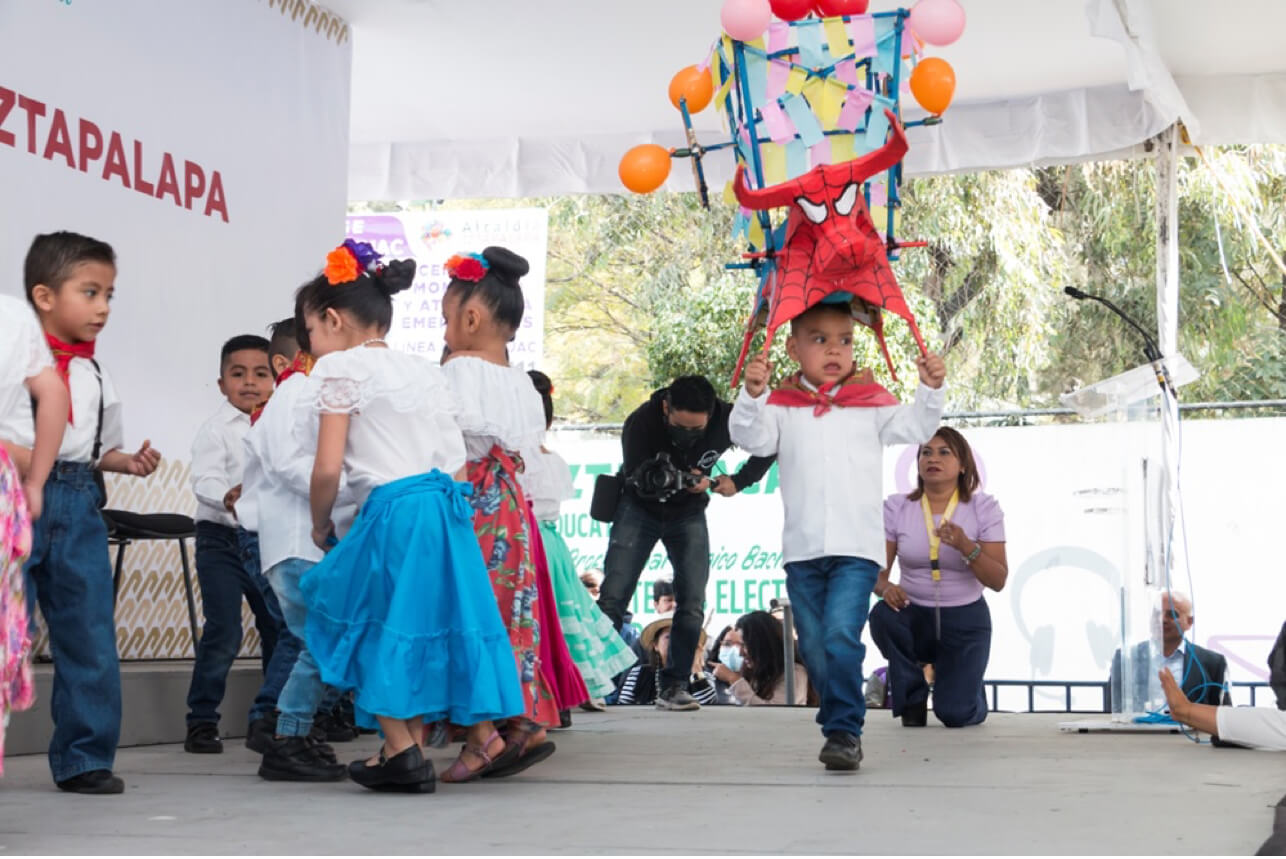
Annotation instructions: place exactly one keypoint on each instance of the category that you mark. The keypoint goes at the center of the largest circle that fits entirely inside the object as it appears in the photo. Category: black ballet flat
(405, 772)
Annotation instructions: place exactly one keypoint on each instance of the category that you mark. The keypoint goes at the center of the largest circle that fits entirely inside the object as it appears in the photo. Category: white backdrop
(433, 237)
(238, 90)
(1057, 617)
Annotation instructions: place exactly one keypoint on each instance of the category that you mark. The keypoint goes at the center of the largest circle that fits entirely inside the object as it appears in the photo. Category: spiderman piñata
(832, 249)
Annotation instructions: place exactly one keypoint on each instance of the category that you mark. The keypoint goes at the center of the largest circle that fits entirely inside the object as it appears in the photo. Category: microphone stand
(1150, 349)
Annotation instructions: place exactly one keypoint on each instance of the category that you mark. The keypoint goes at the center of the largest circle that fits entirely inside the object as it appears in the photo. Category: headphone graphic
(1101, 638)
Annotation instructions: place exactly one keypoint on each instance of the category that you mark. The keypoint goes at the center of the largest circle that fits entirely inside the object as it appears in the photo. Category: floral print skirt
(504, 533)
(17, 691)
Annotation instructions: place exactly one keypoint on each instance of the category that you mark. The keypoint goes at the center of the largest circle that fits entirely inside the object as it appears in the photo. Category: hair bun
(396, 276)
(507, 264)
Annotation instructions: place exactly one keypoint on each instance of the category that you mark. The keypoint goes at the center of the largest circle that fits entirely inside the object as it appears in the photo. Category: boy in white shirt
(69, 280)
(224, 557)
(827, 427)
(278, 472)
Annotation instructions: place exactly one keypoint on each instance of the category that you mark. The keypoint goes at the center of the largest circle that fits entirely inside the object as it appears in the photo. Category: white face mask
(730, 656)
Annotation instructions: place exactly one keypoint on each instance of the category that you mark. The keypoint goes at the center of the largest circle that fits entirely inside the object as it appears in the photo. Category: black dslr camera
(657, 479)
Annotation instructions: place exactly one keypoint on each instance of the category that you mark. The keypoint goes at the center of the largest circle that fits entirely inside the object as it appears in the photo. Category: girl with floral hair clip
(503, 420)
(400, 609)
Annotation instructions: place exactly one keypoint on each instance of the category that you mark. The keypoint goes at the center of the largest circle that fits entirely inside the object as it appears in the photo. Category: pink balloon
(745, 20)
(938, 22)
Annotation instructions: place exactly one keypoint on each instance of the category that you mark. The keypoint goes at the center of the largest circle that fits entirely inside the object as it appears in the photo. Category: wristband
(973, 556)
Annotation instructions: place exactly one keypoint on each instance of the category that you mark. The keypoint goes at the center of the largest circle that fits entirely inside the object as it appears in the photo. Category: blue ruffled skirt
(402, 610)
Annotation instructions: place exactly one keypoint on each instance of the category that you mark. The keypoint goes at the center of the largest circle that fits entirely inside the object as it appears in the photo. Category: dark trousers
(830, 596)
(908, 639)
(687, 542)
(70, 575)
(225, 579)
(286, 651)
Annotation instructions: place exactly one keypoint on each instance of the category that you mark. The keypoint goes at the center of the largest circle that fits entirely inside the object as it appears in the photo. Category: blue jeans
(70, 574)
(225, 579)
(908, 639)
(830, 597)
(282, 659)
(687, 542)
(304, 691)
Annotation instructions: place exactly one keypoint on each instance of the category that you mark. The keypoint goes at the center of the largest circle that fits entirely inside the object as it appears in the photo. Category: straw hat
(656, 627)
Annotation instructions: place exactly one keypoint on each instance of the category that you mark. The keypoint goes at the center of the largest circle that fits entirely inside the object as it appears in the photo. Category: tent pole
(1167, 298)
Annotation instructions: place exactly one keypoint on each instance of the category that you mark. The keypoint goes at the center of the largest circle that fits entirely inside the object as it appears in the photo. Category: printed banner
(431, 238)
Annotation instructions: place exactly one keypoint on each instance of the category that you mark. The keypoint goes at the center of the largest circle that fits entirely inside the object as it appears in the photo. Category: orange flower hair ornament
(345, 263)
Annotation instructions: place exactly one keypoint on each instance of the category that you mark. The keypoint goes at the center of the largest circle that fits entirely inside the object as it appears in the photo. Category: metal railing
(1068, 685)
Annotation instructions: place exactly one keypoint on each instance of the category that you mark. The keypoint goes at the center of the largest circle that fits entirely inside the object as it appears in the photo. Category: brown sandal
(460, 772)
(521, 750)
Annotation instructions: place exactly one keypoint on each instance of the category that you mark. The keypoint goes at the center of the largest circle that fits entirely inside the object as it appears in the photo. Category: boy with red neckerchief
(69, 280)
(827, 425)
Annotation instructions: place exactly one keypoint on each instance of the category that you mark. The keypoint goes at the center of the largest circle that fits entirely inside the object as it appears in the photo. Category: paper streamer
(886, 55)
(757, 77)
(809, 36)
(778, 69)
(820, 153)
(796, 80)
(837, 41)
(861, 29)
(806, 125)
(853, 113)
(779, 127)
(877, 126)
(842, 148)
(879, 194)
(833, 95)
(846, 72)
(797, 158)
(774, 161)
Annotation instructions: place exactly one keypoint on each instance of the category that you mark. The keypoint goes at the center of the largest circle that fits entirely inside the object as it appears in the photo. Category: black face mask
(684, 437)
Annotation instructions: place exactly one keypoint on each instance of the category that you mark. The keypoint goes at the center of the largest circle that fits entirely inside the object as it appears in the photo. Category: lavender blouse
(982, 521)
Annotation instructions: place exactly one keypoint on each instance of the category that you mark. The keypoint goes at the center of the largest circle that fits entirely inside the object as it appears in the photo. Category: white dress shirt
(275, 485)
(218, 459)
(831, 467)
(16, 425)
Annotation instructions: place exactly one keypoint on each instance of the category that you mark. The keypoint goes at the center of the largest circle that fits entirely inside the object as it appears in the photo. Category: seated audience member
(763, 667)
(1254, 727)
(1201, 673)
(949, 540)
(641, 683)
(724, 663)
(592, 580)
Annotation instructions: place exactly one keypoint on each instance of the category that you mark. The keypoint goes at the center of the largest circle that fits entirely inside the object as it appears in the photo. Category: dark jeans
(286, 651)
(830, 597)
(908, 640)
(687, 542)
(225, 579)
(69, 574)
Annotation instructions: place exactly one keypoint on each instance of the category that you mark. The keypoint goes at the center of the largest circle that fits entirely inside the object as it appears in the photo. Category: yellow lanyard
(935, 542)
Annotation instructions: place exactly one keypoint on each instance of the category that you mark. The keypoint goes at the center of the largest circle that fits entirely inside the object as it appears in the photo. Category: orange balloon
(933, 83)
(645, 168)
(695, 85)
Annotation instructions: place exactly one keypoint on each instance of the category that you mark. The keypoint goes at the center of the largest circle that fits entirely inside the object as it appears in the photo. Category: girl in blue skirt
(401, 609)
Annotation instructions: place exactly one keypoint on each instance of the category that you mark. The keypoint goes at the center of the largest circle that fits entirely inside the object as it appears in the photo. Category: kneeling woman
(949, 541)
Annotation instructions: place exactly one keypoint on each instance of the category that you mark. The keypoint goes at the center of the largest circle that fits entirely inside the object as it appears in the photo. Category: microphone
(1150, 348)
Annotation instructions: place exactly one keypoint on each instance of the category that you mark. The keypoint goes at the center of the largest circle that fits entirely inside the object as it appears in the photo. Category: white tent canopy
(511, 98)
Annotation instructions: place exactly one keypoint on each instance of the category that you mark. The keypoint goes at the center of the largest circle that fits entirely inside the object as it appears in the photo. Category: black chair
(125, 527)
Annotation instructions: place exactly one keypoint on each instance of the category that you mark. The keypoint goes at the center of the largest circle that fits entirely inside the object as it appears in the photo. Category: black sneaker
(93, 782)
(843, 751)
(333, 728)
(260, 733)
(676, 698)
(299, 759)
(915, 715)
(203, 739)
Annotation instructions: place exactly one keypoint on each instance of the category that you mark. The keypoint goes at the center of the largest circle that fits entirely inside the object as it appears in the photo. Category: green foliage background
(638, 292)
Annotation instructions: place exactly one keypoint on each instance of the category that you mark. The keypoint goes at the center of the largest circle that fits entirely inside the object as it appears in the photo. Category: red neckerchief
(845, 393)
(63, 353)
(303, 363)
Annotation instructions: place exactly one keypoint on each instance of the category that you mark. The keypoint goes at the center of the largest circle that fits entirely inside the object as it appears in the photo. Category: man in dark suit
(1202, 672)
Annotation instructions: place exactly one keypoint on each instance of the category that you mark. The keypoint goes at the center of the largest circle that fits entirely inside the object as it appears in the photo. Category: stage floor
(723, 780)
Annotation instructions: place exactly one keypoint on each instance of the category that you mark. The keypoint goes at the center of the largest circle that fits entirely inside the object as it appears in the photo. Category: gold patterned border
(309, 14)
(151, 607)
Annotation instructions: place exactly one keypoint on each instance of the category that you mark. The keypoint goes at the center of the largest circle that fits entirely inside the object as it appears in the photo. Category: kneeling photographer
(670, 445)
